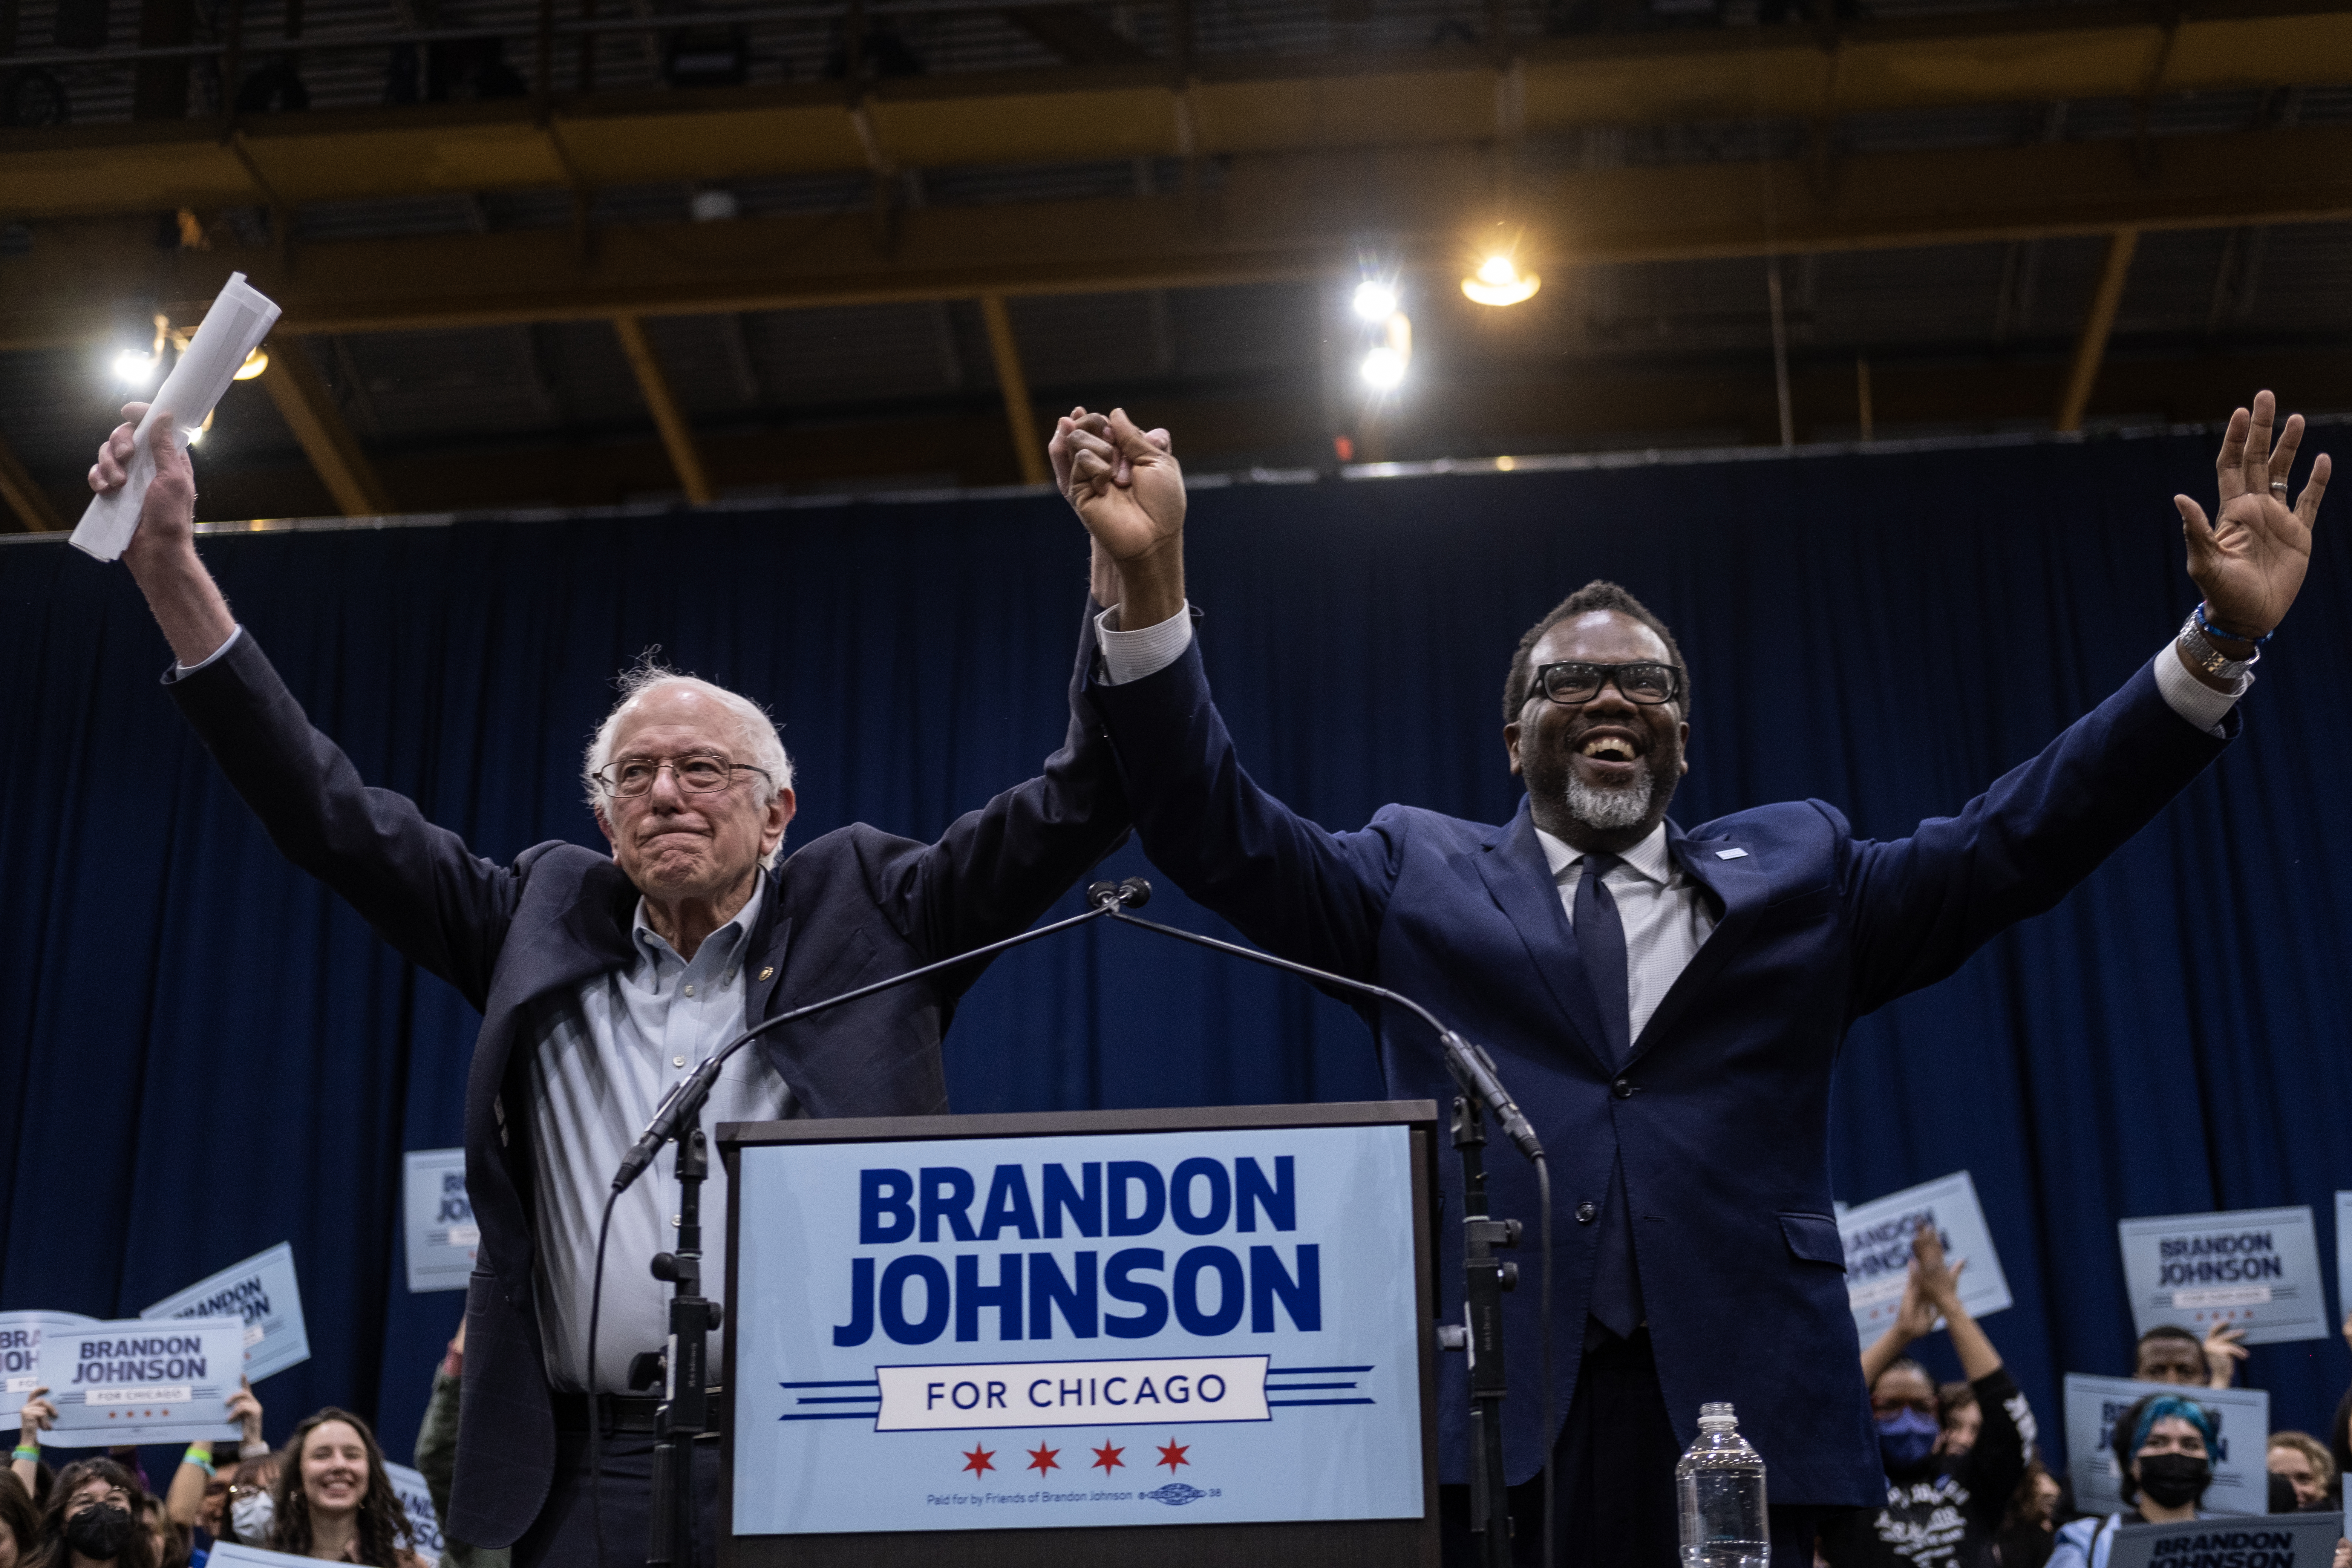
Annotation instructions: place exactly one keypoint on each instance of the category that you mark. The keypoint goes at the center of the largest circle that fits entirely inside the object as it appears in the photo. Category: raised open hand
(1938, 1281)
(2251, 562)
(1124, 482)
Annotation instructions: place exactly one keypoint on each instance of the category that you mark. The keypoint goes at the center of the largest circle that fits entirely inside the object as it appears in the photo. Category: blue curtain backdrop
(203, 1053)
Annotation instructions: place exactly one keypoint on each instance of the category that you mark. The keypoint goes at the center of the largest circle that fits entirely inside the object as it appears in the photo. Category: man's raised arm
(161, 556)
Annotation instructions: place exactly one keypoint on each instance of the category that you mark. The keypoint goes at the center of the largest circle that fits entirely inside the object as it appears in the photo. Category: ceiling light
(254, 364)
(1383, 369)
(1375, 300)
(134, 368)
(1499, 282)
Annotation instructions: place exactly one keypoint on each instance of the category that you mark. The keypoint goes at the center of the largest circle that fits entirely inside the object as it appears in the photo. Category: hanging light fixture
(1500, 282)
(254, 364)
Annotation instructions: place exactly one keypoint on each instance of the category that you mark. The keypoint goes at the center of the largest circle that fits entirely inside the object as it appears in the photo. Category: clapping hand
(2250, 562)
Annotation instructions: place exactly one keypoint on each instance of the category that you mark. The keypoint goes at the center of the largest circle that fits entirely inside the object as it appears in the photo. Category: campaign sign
(263, 1292)
(20, 1355)
(227, 1553)
(1878, 1250)
(439, 1229)
(2277, 1541)
(2255, 1269)
(2241, 1426)
(133, 1381)
(416, 1499)
(1163, 1328)
(2344, 1253)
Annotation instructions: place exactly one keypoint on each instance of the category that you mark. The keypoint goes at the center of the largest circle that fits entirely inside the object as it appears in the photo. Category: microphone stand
(1480, 1335)
(684, 1414)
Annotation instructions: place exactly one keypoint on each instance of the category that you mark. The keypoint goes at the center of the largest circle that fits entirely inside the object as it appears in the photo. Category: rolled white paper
(240, 318)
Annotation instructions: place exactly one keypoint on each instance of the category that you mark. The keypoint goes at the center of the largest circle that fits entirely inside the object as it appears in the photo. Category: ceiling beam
(669, 419)
(309, 409)
(1020, 415)
(1271, 220)
(1224, 107)
(2098, 325)
(35, 512)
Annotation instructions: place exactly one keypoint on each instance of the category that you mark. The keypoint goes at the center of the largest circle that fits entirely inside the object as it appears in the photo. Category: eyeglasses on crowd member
(94, 1519)
(2028, 1530)
(2164, 1456)
(248, 1512)
(1944, 1500)
(20, 1523)
(2304, 1462)
(2170, 1353)
(335, 1502)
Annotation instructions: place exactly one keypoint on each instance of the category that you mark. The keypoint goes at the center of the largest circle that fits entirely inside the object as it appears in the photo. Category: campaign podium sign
(1048, 1338)
(2274, 1540)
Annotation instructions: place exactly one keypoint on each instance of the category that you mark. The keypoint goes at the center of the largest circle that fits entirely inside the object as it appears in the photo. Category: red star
(977, 1460)
(1107, 1459)
(1172, 1454)
(1041, 1459)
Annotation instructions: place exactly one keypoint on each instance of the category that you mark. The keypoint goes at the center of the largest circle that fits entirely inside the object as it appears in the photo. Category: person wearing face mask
(94, 1519)
(248, 1511)
(199, 1490)
(1944, 1501)
(334, 1501)
(20, 1523)
(2163, 1448)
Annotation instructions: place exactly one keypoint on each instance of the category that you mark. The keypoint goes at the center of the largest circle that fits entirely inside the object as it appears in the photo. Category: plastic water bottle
(1720, 1481)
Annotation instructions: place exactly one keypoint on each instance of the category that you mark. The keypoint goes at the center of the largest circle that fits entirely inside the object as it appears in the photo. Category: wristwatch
(2208, 658)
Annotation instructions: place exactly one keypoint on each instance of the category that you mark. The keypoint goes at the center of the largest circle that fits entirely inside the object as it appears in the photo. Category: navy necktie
(1601, 938)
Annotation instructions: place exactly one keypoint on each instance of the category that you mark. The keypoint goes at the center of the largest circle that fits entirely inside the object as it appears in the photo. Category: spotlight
(1383, 369)
(1375, 300)
(1499, 282)
(134, 368)
(254, 364)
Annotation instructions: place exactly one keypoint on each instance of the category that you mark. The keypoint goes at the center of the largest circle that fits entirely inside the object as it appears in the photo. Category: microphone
(1472, 1068)
(682, 1106)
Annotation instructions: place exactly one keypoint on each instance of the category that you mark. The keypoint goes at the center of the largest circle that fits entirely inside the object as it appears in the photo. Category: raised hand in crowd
(37, 1416)
(2223, 1354)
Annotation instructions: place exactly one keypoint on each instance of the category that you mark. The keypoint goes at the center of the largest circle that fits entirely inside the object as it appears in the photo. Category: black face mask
(2173, 1480)
(100, 1531)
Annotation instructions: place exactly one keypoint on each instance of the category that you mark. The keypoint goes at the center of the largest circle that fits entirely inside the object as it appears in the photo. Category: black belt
(632, 1413)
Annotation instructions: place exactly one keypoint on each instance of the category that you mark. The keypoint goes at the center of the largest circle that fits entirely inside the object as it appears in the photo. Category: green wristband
(31, 1456)
(199, 1455)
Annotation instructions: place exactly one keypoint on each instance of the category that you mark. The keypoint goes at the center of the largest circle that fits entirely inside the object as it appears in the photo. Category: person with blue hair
(2164, 1459)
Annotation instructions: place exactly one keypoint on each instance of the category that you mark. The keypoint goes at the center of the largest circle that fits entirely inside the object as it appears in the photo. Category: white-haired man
(602, 981)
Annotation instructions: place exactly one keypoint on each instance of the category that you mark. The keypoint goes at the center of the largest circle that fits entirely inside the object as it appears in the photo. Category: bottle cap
(1718, 1415)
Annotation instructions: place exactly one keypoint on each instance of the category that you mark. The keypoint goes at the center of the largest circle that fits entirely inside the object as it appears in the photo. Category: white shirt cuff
(2192, 697)
(228, 643)
(1131, 656)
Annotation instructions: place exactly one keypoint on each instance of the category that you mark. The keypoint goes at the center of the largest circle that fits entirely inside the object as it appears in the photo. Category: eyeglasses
(695, 775)
(1642, 682)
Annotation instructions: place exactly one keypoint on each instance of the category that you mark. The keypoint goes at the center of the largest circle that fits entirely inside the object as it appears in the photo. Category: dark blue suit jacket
(1722, 1113)
(851, 907)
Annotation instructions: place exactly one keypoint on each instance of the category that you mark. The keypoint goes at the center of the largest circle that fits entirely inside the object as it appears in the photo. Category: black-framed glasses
(697, 774)
(1643, 681)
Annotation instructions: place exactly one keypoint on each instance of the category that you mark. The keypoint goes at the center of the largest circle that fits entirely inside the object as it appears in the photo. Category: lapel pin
(1731, 854)
(767, 970)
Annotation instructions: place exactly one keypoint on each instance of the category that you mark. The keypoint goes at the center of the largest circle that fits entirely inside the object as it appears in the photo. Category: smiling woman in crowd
(95, 1520)
(334, 1501)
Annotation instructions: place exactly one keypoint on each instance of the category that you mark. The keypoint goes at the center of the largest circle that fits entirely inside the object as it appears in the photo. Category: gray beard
(1609, 810)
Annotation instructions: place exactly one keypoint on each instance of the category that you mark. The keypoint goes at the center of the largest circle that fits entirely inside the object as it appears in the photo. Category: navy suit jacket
(1721, 1114)
(851, 907)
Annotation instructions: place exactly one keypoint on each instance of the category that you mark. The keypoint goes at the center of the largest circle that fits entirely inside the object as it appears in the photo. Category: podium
(1147, 1337)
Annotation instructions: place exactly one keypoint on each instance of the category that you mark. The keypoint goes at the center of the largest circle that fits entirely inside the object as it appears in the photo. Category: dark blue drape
(202, 1054)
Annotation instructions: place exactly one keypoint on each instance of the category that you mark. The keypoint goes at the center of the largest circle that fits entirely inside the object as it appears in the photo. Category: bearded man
(1666, 1004)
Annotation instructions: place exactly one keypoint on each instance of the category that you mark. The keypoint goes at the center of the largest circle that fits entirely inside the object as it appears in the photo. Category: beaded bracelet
(2210, 630)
